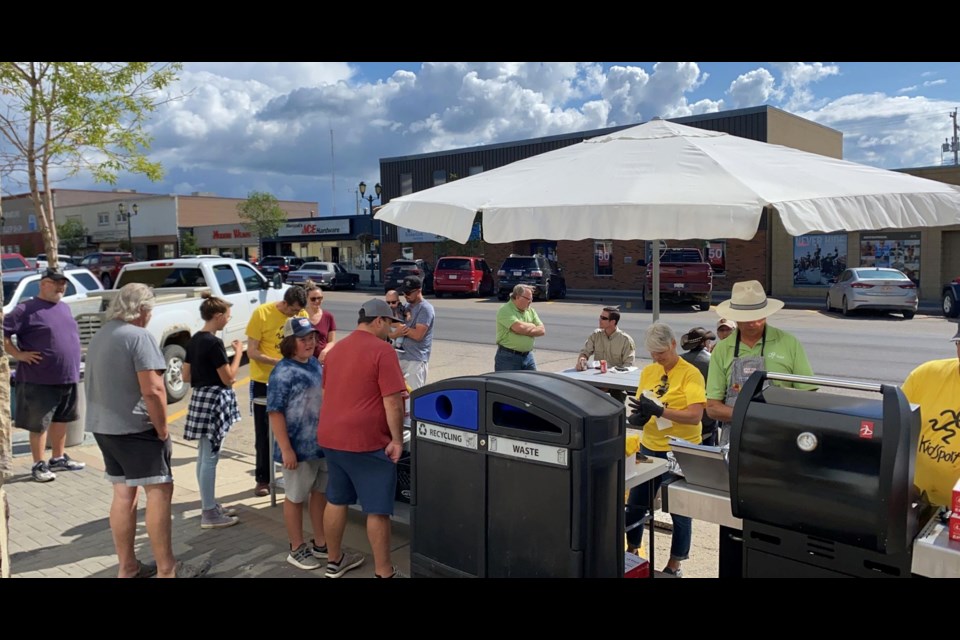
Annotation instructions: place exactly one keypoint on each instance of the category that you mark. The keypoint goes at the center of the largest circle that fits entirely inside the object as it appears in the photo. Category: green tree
(62, 118)
(188, 244)
(262, 216)
(73, 235)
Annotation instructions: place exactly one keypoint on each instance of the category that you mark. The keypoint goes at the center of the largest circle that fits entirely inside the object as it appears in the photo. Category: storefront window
(895, 250)
(818, 258)
(603, 258)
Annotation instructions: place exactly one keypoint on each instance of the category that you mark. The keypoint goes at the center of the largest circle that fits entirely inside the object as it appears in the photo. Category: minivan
(462, 274)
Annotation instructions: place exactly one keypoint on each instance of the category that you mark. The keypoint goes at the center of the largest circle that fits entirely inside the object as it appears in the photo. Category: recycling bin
(516, 474)
(824, 482)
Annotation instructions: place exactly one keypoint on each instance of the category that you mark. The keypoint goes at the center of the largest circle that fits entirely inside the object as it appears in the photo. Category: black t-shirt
(206, 354)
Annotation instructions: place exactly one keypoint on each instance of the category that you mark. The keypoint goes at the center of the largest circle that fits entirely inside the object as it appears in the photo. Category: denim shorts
(40, 404)
(369, 476)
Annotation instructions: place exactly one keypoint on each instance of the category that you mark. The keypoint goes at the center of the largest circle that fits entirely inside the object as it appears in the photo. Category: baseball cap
(411, 283)
(298, 327)
(695, 338)
(53, 274)
(730, 324)
(377, 308)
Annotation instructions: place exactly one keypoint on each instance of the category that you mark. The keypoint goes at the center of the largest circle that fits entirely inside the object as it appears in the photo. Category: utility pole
(954, 143)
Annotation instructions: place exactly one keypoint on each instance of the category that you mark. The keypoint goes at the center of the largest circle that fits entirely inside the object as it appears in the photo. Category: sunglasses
(663, 387)
(393, 302)
(316, 299)
(604, 317)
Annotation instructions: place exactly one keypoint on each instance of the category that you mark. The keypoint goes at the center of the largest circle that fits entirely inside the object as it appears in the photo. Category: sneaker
(396, 574)
(41, 472)
(216, 519)
(227, 511)
(302, 558)
(676, 573)
(318, 552)
(65, 463)
(348, 560)
(187, 570)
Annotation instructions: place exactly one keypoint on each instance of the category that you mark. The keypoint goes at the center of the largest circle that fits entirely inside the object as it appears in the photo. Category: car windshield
(9, 288)
(405, 266)
(455, 264)
(314, 266)
(519, 263)
(164, 277)
(13, 263)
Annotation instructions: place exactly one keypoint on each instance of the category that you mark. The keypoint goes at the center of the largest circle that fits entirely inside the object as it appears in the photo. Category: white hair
(130, 302)
(660, 337)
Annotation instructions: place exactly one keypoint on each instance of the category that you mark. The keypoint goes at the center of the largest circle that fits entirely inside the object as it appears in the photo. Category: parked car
(400, 269)
(463, 274)
(544, 275)
(62, 260)
(951, 298)
(106, 265)
(15, 262)
(685, 276)
(283, 265)
(873, 288)
(20, 286)
(327, 275)
(176, 314)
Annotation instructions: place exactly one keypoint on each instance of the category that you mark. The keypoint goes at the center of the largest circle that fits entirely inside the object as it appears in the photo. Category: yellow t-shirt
(935, 386)
(684, 387)
(266, 325)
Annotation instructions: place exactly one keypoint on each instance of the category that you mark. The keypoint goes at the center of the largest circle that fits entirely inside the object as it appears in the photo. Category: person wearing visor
(754, 345)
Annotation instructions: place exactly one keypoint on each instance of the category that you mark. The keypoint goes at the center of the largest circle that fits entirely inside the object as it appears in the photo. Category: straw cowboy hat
(748, 302)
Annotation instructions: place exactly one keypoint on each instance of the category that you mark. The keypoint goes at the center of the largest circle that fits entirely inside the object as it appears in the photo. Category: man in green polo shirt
(517, 325)
(754, 345)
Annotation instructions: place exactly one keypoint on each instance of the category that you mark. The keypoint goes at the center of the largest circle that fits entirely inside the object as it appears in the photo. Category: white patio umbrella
(666, 181)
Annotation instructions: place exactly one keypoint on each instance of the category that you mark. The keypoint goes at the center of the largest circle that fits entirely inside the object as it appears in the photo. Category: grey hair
(518, 291)
(130, 301)
(660, 337)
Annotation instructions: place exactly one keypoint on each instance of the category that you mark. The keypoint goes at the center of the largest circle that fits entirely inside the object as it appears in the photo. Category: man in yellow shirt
(264, 333)
(935, 386)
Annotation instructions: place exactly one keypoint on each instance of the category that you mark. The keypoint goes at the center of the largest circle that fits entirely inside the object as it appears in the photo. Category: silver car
(873, 288)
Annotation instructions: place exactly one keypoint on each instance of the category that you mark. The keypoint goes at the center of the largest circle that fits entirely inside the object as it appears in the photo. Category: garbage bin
(516, 474)
(824, 482)
(75, 429)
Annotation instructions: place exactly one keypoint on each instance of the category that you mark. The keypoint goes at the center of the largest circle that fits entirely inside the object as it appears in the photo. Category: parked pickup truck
(684, 277)
(951, 298)
(179, 286)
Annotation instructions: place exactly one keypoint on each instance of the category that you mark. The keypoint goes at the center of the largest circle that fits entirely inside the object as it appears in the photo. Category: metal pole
(370, 203)
(379, 248)
(656, 280)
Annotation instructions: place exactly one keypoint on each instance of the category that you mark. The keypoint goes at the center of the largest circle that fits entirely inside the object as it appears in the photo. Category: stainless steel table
(935, 555)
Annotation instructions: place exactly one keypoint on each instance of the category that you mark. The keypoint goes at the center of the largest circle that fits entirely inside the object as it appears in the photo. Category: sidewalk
(61, 528)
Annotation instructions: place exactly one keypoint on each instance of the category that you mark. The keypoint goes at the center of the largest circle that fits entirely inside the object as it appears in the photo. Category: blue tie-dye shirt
(296, 390)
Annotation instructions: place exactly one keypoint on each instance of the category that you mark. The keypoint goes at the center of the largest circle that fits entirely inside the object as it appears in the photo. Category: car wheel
(353, 285)
(437, 294)
(647, 302)
(908, 314)
(827, 304)
(844, 308)
(703, 305)
(563, 291)
(950, 308)
(502, 295)
(174, 355)
(107, 282)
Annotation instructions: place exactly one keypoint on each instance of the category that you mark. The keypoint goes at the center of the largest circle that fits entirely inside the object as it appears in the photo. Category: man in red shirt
(361, 434)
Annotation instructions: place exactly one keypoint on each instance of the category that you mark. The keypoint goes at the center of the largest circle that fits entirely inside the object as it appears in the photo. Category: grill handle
(824, 382)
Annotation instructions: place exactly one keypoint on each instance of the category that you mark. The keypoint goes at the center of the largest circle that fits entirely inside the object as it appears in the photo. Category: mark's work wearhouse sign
(224, 235)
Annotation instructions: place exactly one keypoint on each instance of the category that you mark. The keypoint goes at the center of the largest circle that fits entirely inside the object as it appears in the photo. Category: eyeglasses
(664, 386)
(393, 302)
(316, 299)
(530, 298)
(604, 317)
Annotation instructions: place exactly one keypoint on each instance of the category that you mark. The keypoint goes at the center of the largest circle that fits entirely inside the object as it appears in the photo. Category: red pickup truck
(684, 277)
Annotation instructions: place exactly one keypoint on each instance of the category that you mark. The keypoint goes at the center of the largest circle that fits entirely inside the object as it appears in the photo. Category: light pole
(123, 212)
(370, 199)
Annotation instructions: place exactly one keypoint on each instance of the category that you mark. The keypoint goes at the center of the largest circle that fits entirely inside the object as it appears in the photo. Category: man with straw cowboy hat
(754, 346)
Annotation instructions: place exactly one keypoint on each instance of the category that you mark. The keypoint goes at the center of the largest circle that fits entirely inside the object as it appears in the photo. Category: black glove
(646, 405)
(639, 418)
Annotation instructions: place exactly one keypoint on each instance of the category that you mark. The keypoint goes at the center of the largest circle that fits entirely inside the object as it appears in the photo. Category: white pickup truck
(179, 285)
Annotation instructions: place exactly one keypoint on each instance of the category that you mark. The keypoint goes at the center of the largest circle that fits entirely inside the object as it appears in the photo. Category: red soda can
(603, 366)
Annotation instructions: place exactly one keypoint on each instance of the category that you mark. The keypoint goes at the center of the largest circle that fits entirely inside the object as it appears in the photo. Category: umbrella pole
(656, 281)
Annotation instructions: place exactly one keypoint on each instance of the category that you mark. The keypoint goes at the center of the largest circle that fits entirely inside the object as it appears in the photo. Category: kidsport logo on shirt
(946, 427)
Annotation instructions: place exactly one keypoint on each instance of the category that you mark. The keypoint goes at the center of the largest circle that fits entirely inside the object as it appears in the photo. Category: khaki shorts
(309, 476)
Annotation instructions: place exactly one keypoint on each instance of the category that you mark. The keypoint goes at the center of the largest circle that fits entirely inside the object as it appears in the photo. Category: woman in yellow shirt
(680, 395)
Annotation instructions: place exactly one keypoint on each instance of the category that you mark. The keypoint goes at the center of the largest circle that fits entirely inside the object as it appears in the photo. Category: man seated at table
(608, 342)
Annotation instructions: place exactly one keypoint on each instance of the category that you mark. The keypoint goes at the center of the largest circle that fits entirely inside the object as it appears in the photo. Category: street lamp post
(363, 188)
(124, 213)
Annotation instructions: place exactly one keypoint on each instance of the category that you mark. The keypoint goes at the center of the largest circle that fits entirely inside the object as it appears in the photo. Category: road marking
(173, 417)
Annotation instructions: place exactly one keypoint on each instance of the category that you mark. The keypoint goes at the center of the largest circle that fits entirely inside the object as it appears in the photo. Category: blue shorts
(370, 476)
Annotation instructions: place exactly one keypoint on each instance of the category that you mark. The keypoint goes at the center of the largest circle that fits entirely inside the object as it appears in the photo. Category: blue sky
(238, 127)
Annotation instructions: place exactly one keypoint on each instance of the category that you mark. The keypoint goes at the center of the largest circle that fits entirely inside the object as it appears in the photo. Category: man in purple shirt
(48, 370)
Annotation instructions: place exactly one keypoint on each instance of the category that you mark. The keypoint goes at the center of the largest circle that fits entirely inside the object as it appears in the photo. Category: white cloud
(796, 78)
(932, 83)
(907, 89)
(753, 88)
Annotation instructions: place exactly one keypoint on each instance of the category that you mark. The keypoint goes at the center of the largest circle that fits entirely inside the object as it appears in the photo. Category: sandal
(147, 570)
